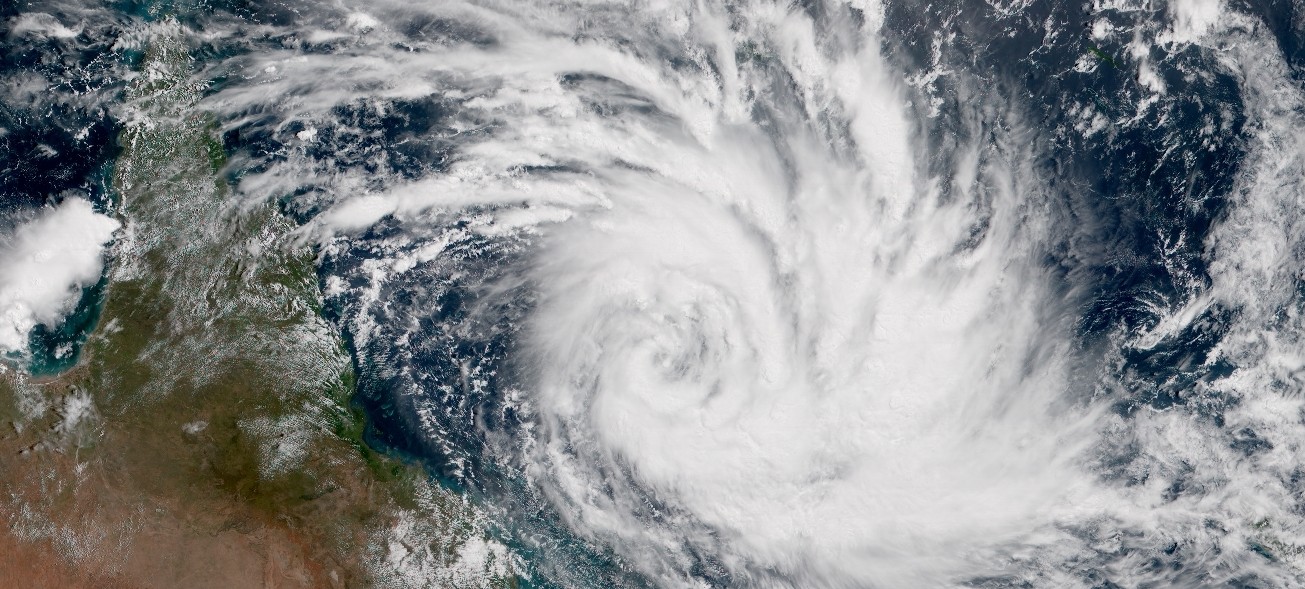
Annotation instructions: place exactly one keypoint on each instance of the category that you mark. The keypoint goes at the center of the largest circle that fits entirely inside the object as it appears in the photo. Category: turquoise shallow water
(53, 350)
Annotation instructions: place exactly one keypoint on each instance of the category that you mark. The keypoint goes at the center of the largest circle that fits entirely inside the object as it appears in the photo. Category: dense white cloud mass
(785, 334)
(770, 329)
(40, 24)
(44, 265)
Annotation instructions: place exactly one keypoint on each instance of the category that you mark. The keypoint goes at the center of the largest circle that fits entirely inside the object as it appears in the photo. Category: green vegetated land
(207, 438)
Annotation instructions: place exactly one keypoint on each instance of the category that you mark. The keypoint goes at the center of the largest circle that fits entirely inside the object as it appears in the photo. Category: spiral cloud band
(809, 294)
(818, 360)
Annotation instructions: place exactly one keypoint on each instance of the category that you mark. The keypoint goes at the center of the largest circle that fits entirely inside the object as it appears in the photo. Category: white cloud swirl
(768, 334)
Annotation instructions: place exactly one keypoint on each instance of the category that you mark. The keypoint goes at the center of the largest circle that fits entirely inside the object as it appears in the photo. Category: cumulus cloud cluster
(44, 265)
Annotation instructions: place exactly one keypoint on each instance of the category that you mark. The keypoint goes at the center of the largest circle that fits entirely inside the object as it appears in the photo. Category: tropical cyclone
(824, 295)
(805, 368)
(821, 294)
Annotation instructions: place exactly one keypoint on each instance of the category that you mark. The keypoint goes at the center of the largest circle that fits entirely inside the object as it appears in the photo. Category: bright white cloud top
(753, 295)
(45, 264)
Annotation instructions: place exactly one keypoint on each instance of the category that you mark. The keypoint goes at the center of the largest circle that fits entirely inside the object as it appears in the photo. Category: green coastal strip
(219, 398)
